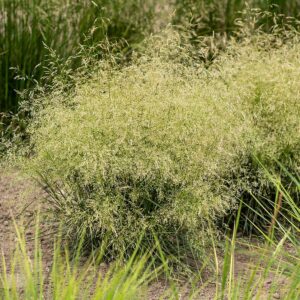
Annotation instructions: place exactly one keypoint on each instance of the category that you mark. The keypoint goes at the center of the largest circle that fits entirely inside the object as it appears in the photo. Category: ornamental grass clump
(164, 146)
(265, 75)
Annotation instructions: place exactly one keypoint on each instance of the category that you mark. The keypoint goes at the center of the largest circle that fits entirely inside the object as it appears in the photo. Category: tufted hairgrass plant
(167, 146)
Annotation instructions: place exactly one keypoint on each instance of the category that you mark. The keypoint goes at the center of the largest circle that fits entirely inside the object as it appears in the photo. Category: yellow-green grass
(167, 146)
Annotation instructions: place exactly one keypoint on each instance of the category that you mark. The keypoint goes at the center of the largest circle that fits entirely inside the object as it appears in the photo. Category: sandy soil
(20, 203)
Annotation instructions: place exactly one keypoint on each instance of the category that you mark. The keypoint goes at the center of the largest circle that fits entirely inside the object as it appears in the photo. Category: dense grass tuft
(165, 146)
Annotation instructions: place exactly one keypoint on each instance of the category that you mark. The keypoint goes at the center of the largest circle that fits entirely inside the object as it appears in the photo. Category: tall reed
(26, 26)
(214, 16)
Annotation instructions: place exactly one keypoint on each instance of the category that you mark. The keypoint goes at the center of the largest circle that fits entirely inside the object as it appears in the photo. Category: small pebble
(5, 223)
(276, 296)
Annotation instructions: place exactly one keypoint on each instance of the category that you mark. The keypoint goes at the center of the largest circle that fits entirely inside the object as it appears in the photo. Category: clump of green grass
(139, 148)
(273, 108)
(165, 146)
(72, 276)
(278, 259)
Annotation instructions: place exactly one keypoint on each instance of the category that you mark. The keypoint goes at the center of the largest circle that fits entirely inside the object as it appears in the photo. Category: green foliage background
(26, 26)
